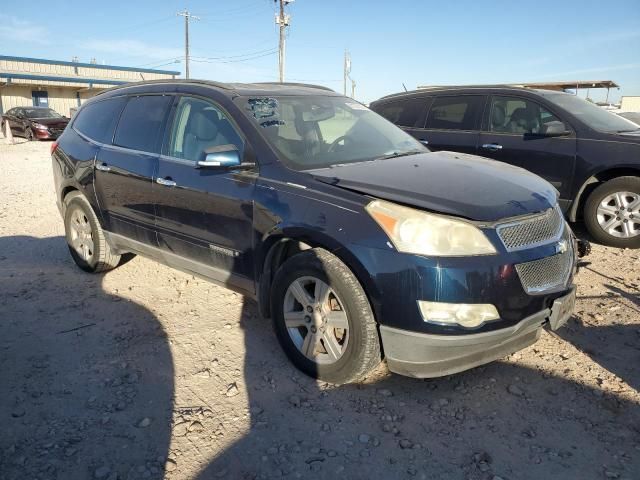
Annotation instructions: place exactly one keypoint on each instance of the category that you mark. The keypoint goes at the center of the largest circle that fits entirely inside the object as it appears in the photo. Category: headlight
(422, 233)
(39, 126)
(465, 314)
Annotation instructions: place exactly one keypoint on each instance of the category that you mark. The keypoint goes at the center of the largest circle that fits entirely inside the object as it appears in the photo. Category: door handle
(494, 147)
(424, 141)
(167, 182)
(103, 167)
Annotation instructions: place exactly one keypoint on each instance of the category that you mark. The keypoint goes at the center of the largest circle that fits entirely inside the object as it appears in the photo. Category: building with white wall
(62, 85)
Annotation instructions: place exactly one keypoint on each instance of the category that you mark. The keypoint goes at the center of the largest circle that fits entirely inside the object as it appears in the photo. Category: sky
(391, 43)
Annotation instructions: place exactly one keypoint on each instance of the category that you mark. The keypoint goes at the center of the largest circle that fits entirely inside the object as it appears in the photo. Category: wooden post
(7, 134)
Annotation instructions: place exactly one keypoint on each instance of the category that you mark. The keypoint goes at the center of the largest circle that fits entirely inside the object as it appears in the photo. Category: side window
(405, 113)
(141, 123)
(198, 126)
(518, 115)
(455, 113)
(98, 120)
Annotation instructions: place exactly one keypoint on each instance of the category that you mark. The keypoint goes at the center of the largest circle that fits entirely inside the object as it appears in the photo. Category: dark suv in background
(590, 155)
(352, 236)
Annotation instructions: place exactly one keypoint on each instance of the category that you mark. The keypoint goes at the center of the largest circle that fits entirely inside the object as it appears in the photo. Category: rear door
(514, 132)
(204, 216)
(125, 168)
(453, 123)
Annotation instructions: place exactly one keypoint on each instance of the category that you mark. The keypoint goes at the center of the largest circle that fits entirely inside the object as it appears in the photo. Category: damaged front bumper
(423, 355)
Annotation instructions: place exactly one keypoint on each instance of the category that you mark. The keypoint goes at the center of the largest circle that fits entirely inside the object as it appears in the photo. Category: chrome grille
(543, 228)
(549, 273)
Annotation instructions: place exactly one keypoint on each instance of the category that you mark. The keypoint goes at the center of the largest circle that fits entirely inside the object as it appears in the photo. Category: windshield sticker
(271, 123)
(356, 106)
(263, 107)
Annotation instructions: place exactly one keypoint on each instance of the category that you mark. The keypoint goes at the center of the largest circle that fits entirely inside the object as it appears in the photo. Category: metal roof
(54, 78)
(88, 65)
(570, 85)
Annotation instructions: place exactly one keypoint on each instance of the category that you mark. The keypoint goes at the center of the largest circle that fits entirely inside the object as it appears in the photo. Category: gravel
(161, 374)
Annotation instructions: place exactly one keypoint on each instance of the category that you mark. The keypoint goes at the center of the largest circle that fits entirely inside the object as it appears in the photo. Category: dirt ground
(145, 372)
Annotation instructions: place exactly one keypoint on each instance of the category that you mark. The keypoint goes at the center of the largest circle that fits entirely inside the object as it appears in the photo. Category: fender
(602, 175)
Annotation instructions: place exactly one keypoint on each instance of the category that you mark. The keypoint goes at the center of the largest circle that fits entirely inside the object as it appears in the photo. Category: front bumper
(424, 355)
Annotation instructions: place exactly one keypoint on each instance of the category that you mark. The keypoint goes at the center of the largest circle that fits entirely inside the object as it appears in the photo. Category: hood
(50, 121)
(446, 182)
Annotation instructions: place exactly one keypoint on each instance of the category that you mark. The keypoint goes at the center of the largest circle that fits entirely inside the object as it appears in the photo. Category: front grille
(549, 273)
(527, 233)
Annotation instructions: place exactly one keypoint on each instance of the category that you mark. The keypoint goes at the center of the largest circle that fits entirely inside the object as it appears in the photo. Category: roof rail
(224, 86)
(296, 84)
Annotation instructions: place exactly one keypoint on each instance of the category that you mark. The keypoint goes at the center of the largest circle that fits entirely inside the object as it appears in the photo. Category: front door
(204, 216)
(124, 170)
(453, 123)
(515, 133)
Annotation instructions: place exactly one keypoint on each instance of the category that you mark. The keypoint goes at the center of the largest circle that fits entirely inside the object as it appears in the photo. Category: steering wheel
(335, 143)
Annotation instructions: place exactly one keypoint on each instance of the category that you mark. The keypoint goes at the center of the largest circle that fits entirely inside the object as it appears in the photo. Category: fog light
(464, 314)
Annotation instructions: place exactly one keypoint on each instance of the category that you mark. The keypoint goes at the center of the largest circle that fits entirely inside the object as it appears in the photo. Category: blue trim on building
(49, 78)
(88, 65)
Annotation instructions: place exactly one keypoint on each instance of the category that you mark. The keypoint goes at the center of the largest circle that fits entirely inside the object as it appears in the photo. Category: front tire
(323, 319)
(612, 213)
(85, 238)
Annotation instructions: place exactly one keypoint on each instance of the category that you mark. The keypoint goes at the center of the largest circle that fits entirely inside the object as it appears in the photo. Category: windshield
(312, 132)
(41, 113)
(592, 115)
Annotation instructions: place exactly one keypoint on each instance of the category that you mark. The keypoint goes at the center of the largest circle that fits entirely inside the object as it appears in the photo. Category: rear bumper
(425, 355)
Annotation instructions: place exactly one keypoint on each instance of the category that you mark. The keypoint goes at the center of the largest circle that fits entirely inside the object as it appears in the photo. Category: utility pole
(346, 70)
(187, 16)
(347, 75)
(283, 20)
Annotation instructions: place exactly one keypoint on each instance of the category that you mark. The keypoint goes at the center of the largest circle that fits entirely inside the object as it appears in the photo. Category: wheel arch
(282, 246)
(592, 182)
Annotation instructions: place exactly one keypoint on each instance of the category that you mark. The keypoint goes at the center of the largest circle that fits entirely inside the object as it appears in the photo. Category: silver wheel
(618, 214)
(316, 320)
(81, 234)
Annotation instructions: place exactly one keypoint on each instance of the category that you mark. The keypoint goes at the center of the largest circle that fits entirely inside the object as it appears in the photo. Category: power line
(273, 52)
(224, 57)
(187, 17)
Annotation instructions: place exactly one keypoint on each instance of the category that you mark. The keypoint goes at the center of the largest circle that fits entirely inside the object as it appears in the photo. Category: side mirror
(555, 129)
(223, 156)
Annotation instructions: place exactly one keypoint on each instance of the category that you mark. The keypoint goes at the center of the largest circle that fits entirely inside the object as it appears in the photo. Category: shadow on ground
(81, 369)
(615, 346)
(87, 377)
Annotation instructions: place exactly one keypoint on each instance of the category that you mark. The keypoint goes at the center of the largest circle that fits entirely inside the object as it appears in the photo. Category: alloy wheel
(316, 320)
(81, 234)
(618, 214)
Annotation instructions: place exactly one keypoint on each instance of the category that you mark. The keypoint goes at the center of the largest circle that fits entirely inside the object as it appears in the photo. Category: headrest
(498, 115)
(204, 124)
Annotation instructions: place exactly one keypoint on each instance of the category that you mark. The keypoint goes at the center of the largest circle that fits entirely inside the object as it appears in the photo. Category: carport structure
(575, 85)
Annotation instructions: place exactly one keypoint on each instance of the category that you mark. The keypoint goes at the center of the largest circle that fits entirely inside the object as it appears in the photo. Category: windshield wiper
(628, 131)
(400, 154)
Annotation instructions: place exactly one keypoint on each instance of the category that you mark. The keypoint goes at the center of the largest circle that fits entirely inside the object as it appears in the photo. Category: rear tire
(607, 208)
(85, 238)
(334, 299)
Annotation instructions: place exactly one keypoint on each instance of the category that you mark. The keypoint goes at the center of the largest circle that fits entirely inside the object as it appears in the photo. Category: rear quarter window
(98, 120)
(142, 123)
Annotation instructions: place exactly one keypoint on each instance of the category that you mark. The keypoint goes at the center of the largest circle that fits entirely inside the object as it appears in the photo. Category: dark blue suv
(356, 241)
